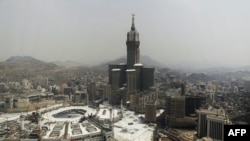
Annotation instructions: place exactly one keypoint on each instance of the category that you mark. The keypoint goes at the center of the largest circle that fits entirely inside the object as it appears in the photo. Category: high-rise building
(192, 103)
(138, 69)
(175, 106)
(138, 100)
(150, 111)
(116, 77)
(133, 43)
(80, 97)
(91, 90)
(69, 91)
(132, 78)
(106, 92)
(215, 126)
(211, 123)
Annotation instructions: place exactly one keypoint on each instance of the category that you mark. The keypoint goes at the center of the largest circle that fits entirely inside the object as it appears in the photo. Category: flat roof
(55, 131)
(211, 111)
(116, 69)
(130, 70)
(138, 64)
(75, 130)
(49, 115)
(132, 127)
(104, 113)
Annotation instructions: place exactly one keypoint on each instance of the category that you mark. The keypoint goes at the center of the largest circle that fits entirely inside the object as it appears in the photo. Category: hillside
(18, 67)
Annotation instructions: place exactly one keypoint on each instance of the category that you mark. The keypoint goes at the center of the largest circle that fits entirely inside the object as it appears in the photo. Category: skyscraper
(150, 111)
(91, 91)
(133, 43)
(175, 106)
(129, 80)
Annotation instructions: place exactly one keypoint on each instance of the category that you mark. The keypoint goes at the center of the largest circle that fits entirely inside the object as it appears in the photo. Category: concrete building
(91, 90)
(192, 103)
(107, 116)
(138, 100)
(99, 93)
(147, 78)
(21, 102)
(138, 68)
(106, 92)
(131, 80)
(2, 87)
(150, 111)
(175, 106)
(28, 102)
(116, 77)
(81, 97)
(211, 123)
(127, 80)
(69, 91)
(215, 126)
(9, 102)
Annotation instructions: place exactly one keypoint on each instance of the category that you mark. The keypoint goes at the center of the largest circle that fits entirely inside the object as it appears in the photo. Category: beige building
(211, 123)
(106, 91)
(80, 97)
(150, 111)
(138, 100)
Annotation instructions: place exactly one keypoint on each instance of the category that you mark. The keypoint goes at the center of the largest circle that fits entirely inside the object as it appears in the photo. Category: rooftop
(212, 111)
(104, 113)
(74, 130)
(49, 115)
(131, 127)
(138, 64)
(116, 69)
(130, 70)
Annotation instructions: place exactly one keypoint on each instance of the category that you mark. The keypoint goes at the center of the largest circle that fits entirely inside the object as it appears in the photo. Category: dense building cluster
(144, 97)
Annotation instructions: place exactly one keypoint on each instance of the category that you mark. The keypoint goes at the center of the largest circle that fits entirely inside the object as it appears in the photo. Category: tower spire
(133, 22)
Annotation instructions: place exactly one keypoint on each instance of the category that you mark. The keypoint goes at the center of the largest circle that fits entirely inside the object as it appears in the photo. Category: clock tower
(133, 43)
(132, 82)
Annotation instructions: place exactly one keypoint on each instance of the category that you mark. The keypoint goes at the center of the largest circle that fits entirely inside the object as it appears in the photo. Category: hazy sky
(173, 32)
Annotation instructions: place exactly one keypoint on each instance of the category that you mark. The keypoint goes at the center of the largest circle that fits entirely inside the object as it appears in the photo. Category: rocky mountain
(18, 67)
(20, 58)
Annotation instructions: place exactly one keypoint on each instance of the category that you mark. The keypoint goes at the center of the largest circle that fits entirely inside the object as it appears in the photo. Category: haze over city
(176, 33)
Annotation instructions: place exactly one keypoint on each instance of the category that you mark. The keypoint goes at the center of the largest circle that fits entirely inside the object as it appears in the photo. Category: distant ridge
(69, 64)
(145, 60)
(196, 77)
(17, 68)
(28, 61)
(20, 58)
(148, 61)
(27, 67)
